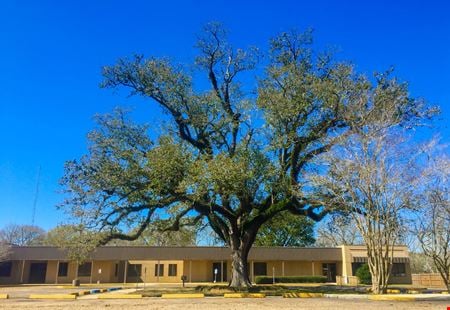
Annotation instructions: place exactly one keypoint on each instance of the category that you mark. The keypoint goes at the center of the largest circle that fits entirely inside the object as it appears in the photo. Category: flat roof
(180, 253)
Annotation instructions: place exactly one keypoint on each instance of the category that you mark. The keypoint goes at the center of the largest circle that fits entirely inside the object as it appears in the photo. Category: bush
(292, 279)
(363, 274)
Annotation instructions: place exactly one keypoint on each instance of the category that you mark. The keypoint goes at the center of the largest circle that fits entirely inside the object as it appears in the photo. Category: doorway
(38, 272)
(218, 272)
(329, 271)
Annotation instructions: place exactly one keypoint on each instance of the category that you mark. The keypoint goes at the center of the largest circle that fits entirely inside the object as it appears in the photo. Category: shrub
(363, 274)
(291, 279)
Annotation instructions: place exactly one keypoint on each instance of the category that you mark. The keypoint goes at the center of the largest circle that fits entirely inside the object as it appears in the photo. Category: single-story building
(122, 264)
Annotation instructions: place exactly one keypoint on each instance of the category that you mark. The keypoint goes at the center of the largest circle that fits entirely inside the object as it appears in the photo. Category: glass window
(260, 269)
(63, 269)
(5, 269)
(159, 270)
(398, 270)
(134, 270)
(172, 270)
(84, 270)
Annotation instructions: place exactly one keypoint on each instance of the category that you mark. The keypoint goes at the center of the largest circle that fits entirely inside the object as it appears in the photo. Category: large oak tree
(236, 153)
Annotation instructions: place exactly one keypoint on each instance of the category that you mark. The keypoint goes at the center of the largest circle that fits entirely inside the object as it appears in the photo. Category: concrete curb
(392, 297)
(52, 296)
(177, 296)
(4, 296)
(244, 295)
(302, 295)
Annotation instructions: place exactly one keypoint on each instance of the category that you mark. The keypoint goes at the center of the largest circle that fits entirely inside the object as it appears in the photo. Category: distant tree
(433, 225)
(231, 156)
(420, 263)
(338, 229)
(286, 229)
(22, 235)
(76, 239)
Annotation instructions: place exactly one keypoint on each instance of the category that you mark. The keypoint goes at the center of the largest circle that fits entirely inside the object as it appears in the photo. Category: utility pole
(36, 194)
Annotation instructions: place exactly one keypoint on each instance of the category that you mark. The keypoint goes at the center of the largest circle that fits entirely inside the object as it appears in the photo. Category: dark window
(398, 270)
(63, 269)
(5, 269)
(134, 270)
(260, 269)
(84, 270)
(116, 270)
(172, 270)
(159, 270)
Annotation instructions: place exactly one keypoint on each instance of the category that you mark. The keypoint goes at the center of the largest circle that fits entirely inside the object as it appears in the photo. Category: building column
(313, 269)
(158, 271)
(190, 271)
(92, 271)
(221, 271)
(125, 272)
(22, 271)
(57, 271)
(282, 268)
(253, 272)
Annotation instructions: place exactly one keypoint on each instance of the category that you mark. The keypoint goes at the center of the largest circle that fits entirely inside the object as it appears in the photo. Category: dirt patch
(221, 303)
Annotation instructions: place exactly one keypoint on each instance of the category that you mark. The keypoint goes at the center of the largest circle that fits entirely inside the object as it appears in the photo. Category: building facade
(125, 264)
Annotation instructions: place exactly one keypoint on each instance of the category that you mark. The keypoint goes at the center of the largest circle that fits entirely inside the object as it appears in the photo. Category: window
(5, 269)
(260, 269)
(84, 270)
(398, 270)
(116, 270)
(63, 269)
(134, 270)
(159, 270)
(172, 270)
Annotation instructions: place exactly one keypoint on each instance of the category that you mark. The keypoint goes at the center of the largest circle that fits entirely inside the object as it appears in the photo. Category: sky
(51, 54)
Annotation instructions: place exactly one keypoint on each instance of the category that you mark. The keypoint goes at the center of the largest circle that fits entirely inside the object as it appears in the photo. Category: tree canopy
(233, 155)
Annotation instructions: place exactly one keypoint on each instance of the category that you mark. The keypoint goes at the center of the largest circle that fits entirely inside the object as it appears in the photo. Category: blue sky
(51, 54)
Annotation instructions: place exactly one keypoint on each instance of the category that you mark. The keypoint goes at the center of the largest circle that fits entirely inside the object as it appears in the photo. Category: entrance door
(218, 272)
(329, 271)
(38, 272)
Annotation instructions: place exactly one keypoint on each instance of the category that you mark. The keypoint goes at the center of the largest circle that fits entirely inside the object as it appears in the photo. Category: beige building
(122, 264)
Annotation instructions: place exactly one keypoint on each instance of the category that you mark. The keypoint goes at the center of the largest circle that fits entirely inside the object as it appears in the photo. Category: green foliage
(290, 279)
(227, 157)
(286, 229)
(363, 274)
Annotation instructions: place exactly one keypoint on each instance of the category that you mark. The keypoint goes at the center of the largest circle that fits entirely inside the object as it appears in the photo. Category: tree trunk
(239, 272)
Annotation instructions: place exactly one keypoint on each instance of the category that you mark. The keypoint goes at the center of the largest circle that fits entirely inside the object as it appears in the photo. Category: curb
(244, 295)
(392, 298)
(4, 296)
(119, 296)
(176, 296)
(52, 296)
(303, 295)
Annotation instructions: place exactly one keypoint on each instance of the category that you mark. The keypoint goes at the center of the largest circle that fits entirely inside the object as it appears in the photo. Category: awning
(359, 259)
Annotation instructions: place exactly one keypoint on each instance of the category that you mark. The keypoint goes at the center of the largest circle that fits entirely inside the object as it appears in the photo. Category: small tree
(363, 274)
(372, 179)
(433, 225)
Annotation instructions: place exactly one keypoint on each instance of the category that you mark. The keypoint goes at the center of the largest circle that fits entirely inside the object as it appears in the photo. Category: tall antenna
(36, 194)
